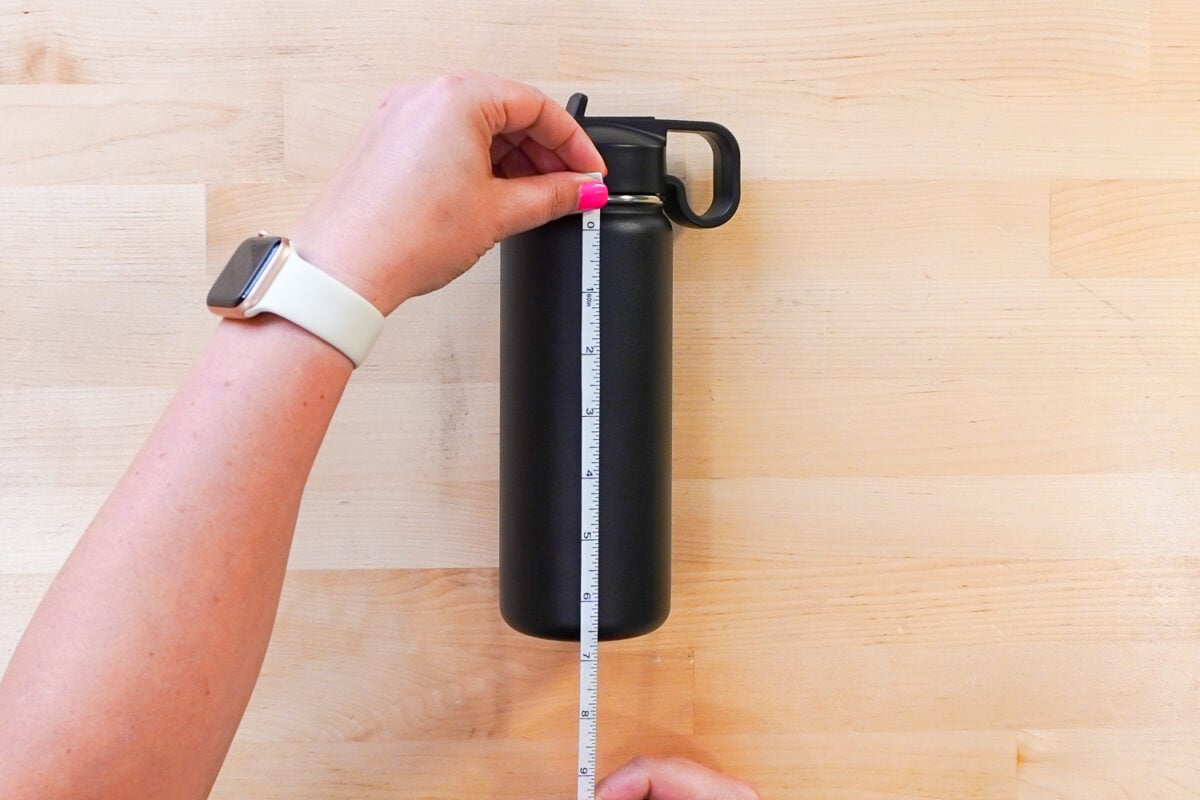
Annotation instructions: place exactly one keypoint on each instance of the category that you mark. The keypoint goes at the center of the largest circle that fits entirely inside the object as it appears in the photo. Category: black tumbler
(540, 394)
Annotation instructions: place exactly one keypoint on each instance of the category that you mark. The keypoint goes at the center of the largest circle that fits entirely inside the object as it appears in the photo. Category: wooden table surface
(936, 406)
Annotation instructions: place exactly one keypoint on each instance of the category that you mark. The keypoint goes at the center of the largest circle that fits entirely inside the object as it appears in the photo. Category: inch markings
(589, 506)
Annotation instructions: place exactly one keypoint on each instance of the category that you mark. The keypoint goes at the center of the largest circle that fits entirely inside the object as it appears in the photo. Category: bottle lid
(636, 159)
(635, 151)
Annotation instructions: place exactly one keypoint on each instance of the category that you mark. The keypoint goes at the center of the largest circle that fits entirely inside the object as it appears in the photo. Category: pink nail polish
(592, 196)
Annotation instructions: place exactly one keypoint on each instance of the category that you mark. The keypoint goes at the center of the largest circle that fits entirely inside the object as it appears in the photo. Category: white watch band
(323, 306)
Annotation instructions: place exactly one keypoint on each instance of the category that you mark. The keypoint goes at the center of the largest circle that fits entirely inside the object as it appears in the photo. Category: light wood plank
(128, 42)
(471, 769)
(929, 765)
(1175, 40)
(323, 122)
(1126, 229)
(154, 133)
(765, 424)
(886, 231)
(1070, 764)
(757, 522)
(916, 601)
(960, 765)
(864, 42)
(411, 525)
(957, 130)
(930, 330)
(237, 211)
(73, 437)
(1124, 686)
(424, 654)
(964, 377)
(122, 264)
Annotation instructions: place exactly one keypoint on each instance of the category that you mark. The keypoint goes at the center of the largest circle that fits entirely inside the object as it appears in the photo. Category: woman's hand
(671, 779)
(442, 171)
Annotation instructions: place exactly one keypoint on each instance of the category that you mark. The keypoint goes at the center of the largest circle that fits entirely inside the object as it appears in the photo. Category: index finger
(512, 107)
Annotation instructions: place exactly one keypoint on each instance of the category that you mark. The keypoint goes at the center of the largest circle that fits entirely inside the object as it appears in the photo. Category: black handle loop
(727, 164)
(727, 183)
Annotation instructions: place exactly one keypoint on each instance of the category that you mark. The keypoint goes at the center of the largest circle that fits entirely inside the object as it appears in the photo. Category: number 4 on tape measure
(589, 506)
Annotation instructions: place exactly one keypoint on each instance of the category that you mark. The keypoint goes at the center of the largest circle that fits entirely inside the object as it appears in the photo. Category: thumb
(671, 779)
(630, 782)
(528, 202)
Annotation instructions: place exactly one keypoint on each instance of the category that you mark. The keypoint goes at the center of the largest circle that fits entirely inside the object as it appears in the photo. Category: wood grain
(872, 41)
(994, 686)
(87, 254)
(127, 42)
(890, 231)
(1126, 228)
(751, 523)
(151, 133)
(936, 449)
(953, 130)
(1080, 763)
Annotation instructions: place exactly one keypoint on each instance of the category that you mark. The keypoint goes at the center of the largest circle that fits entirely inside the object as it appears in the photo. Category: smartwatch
(267, 275)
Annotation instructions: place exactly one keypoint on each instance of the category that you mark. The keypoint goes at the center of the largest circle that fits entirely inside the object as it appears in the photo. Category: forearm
(135, 671)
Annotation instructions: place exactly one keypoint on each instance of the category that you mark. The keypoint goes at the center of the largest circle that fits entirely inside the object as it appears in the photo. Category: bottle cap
(636, 159)
(635, 151)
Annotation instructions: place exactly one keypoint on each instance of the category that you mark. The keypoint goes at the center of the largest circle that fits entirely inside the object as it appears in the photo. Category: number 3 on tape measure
(589, 504)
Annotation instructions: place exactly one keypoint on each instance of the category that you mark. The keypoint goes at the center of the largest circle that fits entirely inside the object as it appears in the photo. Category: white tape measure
(589, 506)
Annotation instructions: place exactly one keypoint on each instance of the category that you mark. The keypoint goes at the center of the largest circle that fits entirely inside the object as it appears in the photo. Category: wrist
(268, 275)
(346, 259)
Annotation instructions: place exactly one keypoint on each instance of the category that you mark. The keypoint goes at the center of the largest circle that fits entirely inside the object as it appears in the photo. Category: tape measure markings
(589, 506)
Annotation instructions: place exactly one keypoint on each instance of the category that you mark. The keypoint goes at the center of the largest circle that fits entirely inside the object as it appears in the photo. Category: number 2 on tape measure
(589, 506)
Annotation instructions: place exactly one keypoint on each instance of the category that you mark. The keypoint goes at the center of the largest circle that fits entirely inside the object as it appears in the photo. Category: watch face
(236, 280)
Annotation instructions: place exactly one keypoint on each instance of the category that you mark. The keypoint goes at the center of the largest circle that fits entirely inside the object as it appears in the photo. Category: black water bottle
(540, 394)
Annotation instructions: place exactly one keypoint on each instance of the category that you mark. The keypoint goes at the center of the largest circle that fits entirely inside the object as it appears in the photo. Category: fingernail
(592, 196)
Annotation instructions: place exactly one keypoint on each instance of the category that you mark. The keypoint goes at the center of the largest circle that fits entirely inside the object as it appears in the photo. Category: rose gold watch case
(246, 308)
